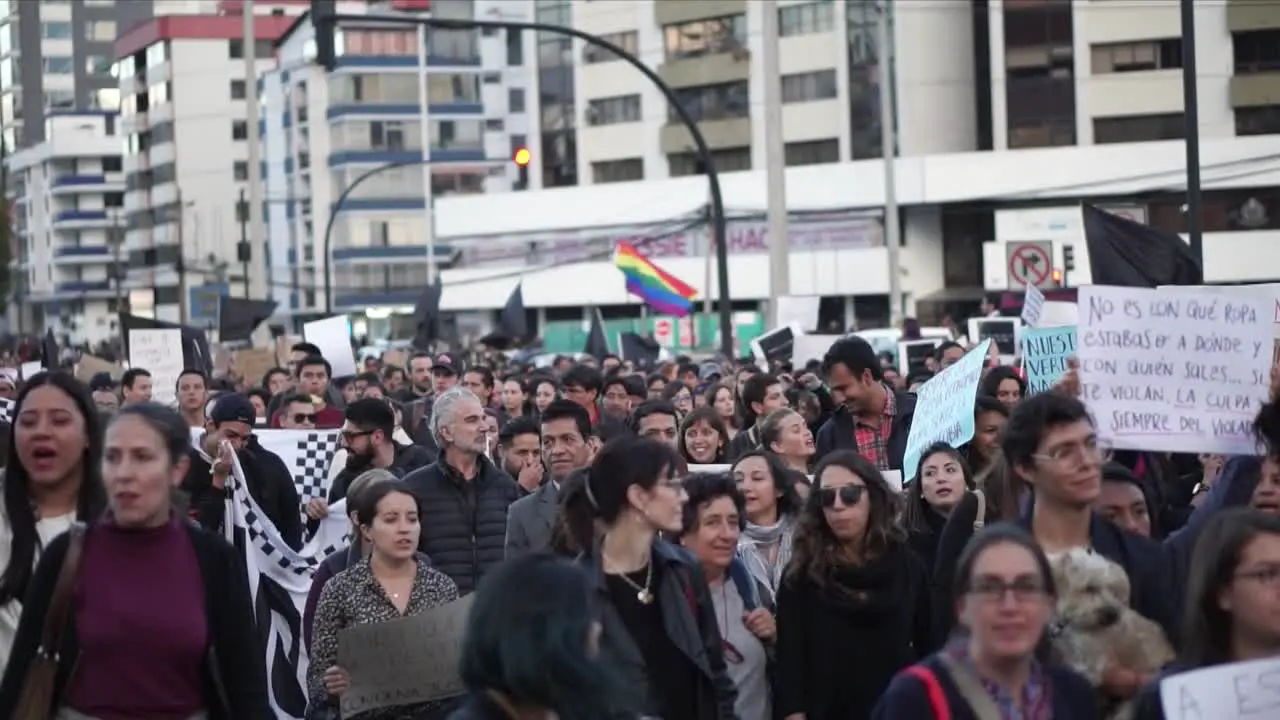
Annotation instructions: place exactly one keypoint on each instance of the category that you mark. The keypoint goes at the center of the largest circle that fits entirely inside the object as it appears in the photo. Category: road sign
(1030, 264)
(664, 332)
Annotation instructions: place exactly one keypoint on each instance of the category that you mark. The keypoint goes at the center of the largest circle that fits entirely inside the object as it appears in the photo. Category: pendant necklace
(642, 591)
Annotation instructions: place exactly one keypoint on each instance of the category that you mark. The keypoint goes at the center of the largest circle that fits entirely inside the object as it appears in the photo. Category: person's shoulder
(440, 587)
(424, 476)
(908, 695)
(206, 543)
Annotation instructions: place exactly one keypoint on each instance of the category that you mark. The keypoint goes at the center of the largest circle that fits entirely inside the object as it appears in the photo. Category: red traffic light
(522, 157)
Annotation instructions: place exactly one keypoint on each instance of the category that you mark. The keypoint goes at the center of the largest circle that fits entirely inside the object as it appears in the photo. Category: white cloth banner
(307, 454)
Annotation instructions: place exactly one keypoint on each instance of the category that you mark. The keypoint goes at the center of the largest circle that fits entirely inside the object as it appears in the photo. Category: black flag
(1129, 254)
(239, 317)
(513, 324)
(641, 350)
(426, 316)
(195, 346)
(49, 351)
(597, 344)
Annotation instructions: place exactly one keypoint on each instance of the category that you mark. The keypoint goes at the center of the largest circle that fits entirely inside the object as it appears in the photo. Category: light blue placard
(1044, 355)
(944, 408)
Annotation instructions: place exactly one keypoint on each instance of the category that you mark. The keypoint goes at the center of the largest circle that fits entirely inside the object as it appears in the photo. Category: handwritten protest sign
(1237, 691)
(1174, 370)
(405, 661)
(1032, 307)
(944, 408)
(1044, 355)
(159, 352)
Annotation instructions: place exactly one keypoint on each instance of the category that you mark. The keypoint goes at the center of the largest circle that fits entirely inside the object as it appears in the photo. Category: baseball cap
(233, 407)
(447, 363)
(101, 381)
(710, 370)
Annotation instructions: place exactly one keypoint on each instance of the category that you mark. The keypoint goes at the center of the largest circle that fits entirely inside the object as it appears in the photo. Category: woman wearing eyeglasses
(853, 608)
(714, 516)
(997, 665)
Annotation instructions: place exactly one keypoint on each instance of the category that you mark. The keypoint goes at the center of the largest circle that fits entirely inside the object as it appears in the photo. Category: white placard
(811, 347)
(800, 310)
(1269, 291)
(1236, 691)
(1032, 306)
(1174, 370)
(1004, 333)
(29, 369)
(333, 337)
(1058, 314)
(159, 352)
(780, 340)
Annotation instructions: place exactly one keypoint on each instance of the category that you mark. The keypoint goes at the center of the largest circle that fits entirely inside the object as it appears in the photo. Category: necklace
(642, 591)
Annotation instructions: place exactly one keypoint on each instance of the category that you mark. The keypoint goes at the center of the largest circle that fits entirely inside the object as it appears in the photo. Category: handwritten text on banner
(1044, 355)
(944, 408)
(1223, 692)
(1174, 370)
(159, 352)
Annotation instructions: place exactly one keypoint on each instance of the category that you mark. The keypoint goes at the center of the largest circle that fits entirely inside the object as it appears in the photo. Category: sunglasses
(304, 417)
(849, 495)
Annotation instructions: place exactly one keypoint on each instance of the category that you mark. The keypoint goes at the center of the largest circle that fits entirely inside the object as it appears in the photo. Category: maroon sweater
(141, 623)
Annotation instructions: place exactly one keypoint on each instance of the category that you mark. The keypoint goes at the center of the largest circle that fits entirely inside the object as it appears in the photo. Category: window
(706, 37)
(386, 135)
(815, 152)
(806, 87)
(1042, 111)
(1257, 51)
(237, 90)
(629, 41)
(617, 171)
(112, 164)
(100, 30)
(495, 124)
(59, 65)
(1137, 56)
(806, 19)
(441, 88)
(59, 99)
(457, 135)
(54, 30)
(235, 48)
(515, 100)
(239, 130)
(1139, 128)
(240, 170)
(611, 111)
(726, 160)
(97, 65)
(515, 48)
(714, 102)
(1258, 120)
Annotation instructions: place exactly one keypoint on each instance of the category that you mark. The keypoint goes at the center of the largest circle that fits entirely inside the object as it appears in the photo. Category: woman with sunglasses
(714, 516)
(853, 582)
(997, 666)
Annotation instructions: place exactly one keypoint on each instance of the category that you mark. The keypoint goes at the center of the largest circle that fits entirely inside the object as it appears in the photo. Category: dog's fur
(1098, 629)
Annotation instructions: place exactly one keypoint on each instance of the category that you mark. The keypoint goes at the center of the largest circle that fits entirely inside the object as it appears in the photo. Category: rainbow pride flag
(659, 290)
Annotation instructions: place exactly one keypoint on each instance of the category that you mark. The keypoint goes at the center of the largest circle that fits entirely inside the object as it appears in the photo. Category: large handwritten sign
(159, 352)
(944, 408)
(1044, 355)
(406, 661)
(1174, 370)
(1238, 691)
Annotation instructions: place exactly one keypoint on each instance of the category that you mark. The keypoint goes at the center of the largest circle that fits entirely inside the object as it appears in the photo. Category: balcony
(82, 255)
(671, 13)
(1251, 16)
(1255, 90)
(91, 288)
(728, 66)
(69, 219)
(69, 184)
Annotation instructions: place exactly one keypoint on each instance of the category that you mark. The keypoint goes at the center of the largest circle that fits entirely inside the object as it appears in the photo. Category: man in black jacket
(761, 395)
(464, 497)
(269, 481)
(366, 436)
(875, 419)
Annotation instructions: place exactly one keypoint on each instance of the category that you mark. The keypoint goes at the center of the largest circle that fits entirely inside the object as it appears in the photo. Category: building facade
(363, 123)
(68, 222)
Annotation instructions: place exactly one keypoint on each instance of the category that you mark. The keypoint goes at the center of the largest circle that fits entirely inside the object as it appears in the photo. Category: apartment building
(363, 123)
(67, 215)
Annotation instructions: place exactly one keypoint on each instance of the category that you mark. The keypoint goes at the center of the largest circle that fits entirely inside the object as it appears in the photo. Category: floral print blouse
(354, 597)
(1034, 702)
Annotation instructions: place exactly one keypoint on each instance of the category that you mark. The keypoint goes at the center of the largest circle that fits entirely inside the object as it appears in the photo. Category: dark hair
(259, 393)
(536, 381)
(191, 371)
(166, 422)
(982, 404)
(653, 378)
(635, 386)
(989, 403)
(567, 410)
(292, 397)
(417, 355)
(389, 371)
(673, 388)
(1032, 419)
(816, 551)
(915, 509)
(856, 355)
(372, 414)
(1206, 631)
(486, 375)
(527, 636)
(312, 360)
(367, 505)
(652, 407)
(518, 426)
(944, 346)
(131, 376)
(1266, 428)
(91, 498)
(306, 347)
(583, 376)
(1003, 534)
(734, 420)
(705, 414)
(266, 377)
(991, 383)
(368, 378)
(600, 493)
(619, 380)
(702, 488)
(789, 502)
(771, 430)
(918, 377)
(754, 390)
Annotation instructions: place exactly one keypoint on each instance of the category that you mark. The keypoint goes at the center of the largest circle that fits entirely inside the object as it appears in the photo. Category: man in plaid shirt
(875, 418)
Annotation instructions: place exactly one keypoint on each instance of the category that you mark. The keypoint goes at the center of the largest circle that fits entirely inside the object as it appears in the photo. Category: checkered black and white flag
(6, 409)
(279, 579)
(307, 454)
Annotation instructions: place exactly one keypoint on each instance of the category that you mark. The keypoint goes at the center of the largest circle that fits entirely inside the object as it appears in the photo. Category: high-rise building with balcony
(67, 216)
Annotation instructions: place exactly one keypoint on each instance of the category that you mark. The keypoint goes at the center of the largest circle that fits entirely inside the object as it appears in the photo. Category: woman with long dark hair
(659, 622)
(989, 417)
(515, 401)
(158, 621)
(721, 397)
(1005, 385)
(942, 478)
(770, 510)
(53, 479)
(853, 582)
(703, 437)
(1232, 601)
(531, 646)
(998, 665)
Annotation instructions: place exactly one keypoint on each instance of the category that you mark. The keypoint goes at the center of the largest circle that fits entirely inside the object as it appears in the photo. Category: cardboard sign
(90, 365)
(251, 364)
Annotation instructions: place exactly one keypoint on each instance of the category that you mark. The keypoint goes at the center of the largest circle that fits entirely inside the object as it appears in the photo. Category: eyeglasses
(849, 495)
(304, 417)
(1267, 576)
(350, 435)
(1078, 453)
(993, 591)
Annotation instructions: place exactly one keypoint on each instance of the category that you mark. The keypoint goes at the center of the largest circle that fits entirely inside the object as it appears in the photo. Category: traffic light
(1057, 278)
(322, 12)
(522, 156)
(1069, 257)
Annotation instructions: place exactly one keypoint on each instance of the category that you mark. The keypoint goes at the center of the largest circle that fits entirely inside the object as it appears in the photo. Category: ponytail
(578, 511)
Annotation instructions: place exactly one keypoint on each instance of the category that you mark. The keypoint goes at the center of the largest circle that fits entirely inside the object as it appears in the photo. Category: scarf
(753, 549)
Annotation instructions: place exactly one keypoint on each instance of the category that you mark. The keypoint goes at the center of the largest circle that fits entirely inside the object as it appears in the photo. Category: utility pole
(180, 265)
(889, 151)
(1191, 116)
(775, 159)
(424, 134)
(117, 267)
(255, 150)
(244, 250)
